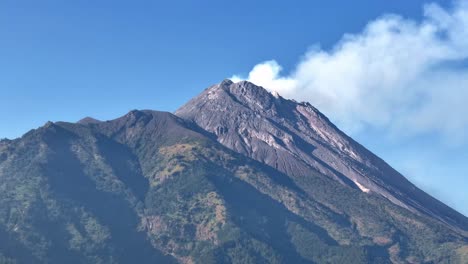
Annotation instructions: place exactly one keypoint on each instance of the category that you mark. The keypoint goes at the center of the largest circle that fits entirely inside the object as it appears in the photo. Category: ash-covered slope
(298, 140)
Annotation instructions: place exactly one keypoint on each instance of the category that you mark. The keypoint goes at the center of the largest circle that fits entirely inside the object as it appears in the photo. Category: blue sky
(64, 60)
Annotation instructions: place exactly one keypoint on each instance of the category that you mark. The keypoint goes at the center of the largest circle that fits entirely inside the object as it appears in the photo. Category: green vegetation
(136, 189)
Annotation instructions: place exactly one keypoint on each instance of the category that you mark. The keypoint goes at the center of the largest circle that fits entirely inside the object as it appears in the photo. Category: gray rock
(298, 140)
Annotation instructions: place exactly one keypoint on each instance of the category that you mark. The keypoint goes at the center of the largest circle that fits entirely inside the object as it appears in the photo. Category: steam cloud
(398, 74)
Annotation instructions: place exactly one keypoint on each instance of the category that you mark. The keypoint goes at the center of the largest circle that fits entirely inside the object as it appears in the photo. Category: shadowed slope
(153, 187)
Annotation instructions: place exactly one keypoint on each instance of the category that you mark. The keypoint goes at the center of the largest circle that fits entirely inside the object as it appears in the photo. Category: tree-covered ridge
(151, 188)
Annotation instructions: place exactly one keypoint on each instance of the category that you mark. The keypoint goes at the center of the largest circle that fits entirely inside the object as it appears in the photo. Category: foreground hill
(236, 176)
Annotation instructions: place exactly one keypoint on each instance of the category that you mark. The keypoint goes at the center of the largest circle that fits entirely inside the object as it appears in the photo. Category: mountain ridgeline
(237, 175)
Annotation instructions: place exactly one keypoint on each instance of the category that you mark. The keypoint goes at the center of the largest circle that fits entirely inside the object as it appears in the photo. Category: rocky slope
(239, 176)
(297, 139)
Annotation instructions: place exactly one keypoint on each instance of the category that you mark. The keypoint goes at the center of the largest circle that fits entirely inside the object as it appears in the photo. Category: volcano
(236, 175)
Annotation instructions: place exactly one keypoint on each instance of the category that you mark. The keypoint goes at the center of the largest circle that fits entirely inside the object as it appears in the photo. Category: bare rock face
(298, 140)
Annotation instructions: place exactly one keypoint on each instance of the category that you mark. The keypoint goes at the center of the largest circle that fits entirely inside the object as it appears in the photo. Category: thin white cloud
(398, 74)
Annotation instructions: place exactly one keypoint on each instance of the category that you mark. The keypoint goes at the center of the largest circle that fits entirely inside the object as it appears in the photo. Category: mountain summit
(298, 140)
(237, 175)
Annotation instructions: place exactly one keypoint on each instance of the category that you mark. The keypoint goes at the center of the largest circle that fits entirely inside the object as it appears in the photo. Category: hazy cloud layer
(403, 75)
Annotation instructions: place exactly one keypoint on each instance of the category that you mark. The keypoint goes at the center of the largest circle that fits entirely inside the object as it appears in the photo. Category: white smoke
(403, 75)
